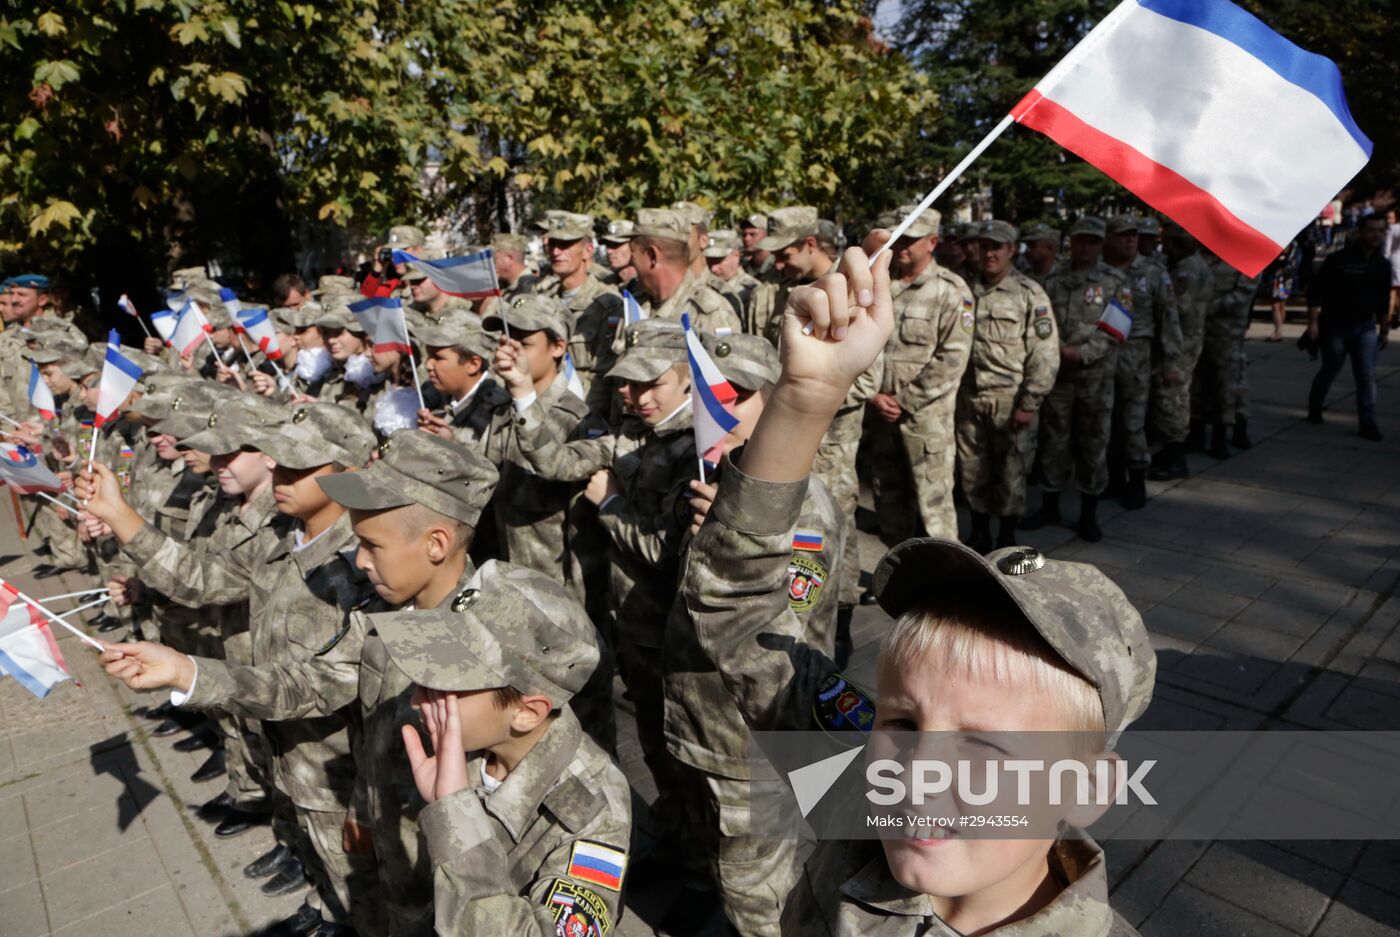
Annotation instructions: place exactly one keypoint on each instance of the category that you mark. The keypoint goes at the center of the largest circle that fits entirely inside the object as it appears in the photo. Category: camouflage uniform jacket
(515, 860)
(1194, 285)
(593, 305)
(846, 889)
(1078, 299)
(646, 522)
(1154, 308)
(709, 311)
(704, 729)
(531, 510)
(742, 288)
(305, 643)
(733, 585)
(471, 419)
(925, 358)
(728, 290)
(1014, 345)
(1231, 300)
(766, 307)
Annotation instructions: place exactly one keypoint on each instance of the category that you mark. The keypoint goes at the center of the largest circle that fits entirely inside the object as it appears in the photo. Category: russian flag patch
(807, 539)
(599, 864)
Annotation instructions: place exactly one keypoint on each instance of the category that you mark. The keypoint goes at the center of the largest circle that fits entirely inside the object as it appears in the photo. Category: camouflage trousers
(1132, 387)
(1220, 386)
(912, 466)
(752, 874)
(994, 458)
(641, 668)
(1171, 403)
(45, 526)
(835, 465)
(342, 884)
(1075, 422)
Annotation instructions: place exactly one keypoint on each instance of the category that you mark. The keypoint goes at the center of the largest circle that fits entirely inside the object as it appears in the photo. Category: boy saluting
(528, 820)
(1009, 642)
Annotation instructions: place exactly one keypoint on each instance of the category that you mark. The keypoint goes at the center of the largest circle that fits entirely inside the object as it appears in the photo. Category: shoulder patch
(808, 539)
(805, 580)
(1042, 311)
(598, 863)
(841, 706)
(573, 803)
(1043, 328)
(578, 911)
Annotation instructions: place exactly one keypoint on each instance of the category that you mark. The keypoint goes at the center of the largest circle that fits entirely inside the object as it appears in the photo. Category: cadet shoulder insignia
(301, 415)
(599, 864)
(465, 599)
(578, 912)
(841, 706)
(213, 420)
(805, 580)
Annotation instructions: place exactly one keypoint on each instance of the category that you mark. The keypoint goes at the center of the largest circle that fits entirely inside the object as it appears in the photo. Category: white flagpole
(700, 461)
(74, 506)
(10, 420)
(73, 595)
(58, 618)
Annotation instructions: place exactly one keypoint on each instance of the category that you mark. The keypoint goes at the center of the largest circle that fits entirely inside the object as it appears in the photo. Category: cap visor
(287, 453)
(637, 369)
(211, 441)
(774, 242)
(362, 490)
(434, 657)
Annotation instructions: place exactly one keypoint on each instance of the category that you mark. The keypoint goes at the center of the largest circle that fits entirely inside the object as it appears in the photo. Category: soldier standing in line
(568, 243)
(1192, 281)
(1042, 253)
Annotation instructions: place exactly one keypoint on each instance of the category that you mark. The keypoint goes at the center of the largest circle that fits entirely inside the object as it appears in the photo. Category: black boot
(1088, 528)
(1169, 463)
(236, 822)
(268, 863)
(213, 809)
(1006, 530)
(981, 537)
(1219, 448)
(289, 877)
(212, 768)
(1160, 460)
(1240, 440)
(1135, 493)
(302, 924)
(1047, 515)
(1196, 437)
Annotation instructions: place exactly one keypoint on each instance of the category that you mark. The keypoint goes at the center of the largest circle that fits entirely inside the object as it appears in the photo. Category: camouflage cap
(530, 312)
(510, 626)
(1122, 224)
(335, 283)
(457, 328)
(567, 226)
(787, 225)
(337, 316)
(415, 274)
(1089, 226)
(405, 235)
(746, 361)
(1001, 232)
(662, 223)
(951, 231)
(1039, 232)
(179, 279)
(754, 220)
(511, 243)
(1078, 610)
(289, 320)
(828, 233)
(693, 213)
(926, 224)
(418, 468)
(967, 231)
(889, 220)
(149, 364)
(1150, 226)
(653, 346)
(318, 434)
(57, 346)
(161, 390)
(620, 231)
(189, 407)
(235, 424)
(206, 295)
(723, 243)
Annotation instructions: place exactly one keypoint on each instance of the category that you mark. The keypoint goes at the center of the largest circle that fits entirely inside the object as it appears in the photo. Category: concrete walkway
(1268, 581)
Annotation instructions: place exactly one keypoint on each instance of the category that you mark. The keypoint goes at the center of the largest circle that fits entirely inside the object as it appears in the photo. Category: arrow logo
(811, 782)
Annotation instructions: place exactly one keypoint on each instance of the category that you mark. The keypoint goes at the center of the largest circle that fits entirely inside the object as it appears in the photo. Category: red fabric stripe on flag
(1195, 209)
(8, 596)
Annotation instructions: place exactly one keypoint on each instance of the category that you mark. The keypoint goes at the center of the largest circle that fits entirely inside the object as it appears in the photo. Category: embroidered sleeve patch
(599, 864)
(841, 706)
(805, 580)
(807, 539)
(578, 912)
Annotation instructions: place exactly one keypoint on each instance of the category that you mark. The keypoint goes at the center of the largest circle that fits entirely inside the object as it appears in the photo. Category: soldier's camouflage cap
(457, 328)
(1149, 225)
(337, 316)
(418, 468)
(514, 243)
(723, 243)
(510, 626)
(161, 390)
(189, 406)
(1002, 232)
(653, 346)
(693, 213)
(335, 283)
(620, 231)
(1121, 224)
(1078, 610)
(57, 346)
(566, 225)
(318, 434)
(415, 274)
(405, 235)
(746, 361)
(787, 225)
(1039, 232)
(235, 425)
(180, 279)
(289, 320)
(926, 224)
(529, 312)
(754, 220)
(951, 231)
(662, 223)
(967, 231)
(1089, 226)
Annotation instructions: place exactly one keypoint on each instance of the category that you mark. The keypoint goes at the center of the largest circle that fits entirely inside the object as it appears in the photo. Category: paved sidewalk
(1268, 581)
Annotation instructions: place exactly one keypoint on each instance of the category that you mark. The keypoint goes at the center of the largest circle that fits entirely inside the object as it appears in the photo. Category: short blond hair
(982, 646)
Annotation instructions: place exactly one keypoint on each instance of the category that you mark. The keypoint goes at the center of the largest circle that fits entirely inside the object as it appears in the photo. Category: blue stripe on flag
(1313, 73)
(447, 263)
(127, 367)
(597, 864)
(26, 679)
(376, 302)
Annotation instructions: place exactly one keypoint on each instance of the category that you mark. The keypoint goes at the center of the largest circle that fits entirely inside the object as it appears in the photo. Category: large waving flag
(571, 377)
(40, 394)
(119, 377)
(472, 276)
(190, 329)
(382, 318)
(28, 651)
(712, 399)
(1209, 116)
(254, 323)
(164, 321)
(24, 472)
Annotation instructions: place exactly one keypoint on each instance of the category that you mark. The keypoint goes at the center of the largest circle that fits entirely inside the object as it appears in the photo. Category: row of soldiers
(226, 461)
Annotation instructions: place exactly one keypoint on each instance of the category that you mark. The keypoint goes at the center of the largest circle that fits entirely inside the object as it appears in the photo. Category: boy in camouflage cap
(457, 356)
(1084, 662)
(528, 820)
(298, 577)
